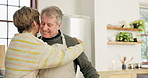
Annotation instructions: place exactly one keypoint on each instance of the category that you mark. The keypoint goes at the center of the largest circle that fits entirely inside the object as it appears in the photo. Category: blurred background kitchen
(91, 17)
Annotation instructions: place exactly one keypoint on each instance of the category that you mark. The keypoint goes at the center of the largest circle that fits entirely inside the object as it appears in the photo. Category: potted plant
(124, 37)
(124, 61)
(138, 24)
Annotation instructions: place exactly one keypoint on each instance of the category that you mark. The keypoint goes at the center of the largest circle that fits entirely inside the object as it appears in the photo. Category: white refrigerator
(80, 27)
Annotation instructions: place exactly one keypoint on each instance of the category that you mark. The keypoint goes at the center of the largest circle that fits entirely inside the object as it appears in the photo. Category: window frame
(33, 4)
(144, 5)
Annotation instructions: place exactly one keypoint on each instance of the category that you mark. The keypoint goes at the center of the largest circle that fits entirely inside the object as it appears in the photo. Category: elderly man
(51, 20)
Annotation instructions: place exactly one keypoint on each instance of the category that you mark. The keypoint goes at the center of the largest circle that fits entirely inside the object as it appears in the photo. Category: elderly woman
(26, 53)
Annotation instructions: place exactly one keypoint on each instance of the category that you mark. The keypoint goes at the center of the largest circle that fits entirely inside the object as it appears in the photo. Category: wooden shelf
(144, 34)
(124, 42)
(120, 28)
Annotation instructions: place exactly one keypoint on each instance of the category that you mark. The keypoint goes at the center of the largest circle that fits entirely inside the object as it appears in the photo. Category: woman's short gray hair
(53, 11)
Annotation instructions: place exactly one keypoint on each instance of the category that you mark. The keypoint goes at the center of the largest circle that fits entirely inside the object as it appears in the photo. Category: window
(144, 36)
(8, 7)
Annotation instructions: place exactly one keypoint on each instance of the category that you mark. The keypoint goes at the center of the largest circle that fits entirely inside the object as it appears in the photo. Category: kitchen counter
(128, 73)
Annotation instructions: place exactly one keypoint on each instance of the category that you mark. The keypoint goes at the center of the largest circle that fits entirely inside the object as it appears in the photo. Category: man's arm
(86, 67)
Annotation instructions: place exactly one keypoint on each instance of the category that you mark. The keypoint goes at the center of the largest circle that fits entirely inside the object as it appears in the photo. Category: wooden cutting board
(2, 55)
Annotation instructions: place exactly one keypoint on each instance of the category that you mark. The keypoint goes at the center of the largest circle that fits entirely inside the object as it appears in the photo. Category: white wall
(111, 12)
(86, 7)
(67, 6)
(145, 1)
(103, 12)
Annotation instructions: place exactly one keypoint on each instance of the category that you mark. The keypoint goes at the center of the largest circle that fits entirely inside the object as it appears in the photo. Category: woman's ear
(34, 23)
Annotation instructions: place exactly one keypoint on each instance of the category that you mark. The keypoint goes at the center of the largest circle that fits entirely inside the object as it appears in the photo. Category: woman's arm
(53, 57)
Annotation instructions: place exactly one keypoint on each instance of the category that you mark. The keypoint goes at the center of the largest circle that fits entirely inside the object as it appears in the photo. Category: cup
(139, 65)
(131, 66)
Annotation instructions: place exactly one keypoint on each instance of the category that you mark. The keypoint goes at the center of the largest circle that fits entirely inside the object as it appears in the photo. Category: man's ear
(60, 25)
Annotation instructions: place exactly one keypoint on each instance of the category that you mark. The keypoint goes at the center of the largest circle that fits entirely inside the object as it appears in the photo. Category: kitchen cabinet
(121, 76)
(129, 73)
(125, 29)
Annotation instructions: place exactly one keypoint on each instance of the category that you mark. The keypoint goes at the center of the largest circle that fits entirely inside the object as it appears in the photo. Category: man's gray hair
(53, 11)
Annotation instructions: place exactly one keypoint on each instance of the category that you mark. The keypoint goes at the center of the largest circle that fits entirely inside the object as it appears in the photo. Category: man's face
(48, 27)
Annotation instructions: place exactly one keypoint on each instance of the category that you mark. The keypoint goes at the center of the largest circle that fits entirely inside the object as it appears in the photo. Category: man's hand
(79, 41)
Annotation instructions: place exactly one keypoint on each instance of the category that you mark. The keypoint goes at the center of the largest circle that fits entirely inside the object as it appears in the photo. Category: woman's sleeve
(54, 57)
